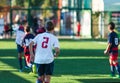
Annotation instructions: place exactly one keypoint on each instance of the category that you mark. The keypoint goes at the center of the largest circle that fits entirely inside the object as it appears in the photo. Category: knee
(47, 78)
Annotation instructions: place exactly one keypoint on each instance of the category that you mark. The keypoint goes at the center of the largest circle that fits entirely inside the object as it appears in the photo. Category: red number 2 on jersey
(45, 42)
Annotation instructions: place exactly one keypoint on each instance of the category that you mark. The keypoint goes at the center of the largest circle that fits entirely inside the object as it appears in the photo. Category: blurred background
(72, 18)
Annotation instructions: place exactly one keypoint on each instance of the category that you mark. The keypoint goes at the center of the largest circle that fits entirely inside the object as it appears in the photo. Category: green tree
(45, 4)
(37, 3)
(20, 2)
(49, 4)
(95, 21)
(3, 2)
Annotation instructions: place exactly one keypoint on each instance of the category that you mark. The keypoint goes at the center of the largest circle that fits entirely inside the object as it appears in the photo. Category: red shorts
(113, 56)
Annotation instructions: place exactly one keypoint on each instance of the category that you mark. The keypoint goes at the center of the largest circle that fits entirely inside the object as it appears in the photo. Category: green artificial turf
(80, 61)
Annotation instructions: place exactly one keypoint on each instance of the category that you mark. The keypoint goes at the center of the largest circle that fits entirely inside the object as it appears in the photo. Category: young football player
(19, 37)
(26, 41)
(40, 27)
(112, 49)
(44, 56)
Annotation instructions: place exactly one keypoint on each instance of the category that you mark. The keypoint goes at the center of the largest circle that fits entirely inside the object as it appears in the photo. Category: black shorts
(20, 49)
(45, 69)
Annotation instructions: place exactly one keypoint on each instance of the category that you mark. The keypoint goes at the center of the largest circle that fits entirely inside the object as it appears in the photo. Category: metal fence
(65, 19)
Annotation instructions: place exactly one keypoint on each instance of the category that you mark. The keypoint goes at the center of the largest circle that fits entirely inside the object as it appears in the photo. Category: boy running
(19, 38)
(44, 57)
(26, 41)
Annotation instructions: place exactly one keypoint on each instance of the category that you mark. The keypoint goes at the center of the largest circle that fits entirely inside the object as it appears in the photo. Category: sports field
(80, 61)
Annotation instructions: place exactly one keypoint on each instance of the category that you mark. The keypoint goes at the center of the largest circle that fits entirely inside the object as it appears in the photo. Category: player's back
(114, 40)
(45, 43)
(19, 35)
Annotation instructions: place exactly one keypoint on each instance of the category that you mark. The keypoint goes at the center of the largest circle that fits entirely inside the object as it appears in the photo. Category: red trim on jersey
(115, 48)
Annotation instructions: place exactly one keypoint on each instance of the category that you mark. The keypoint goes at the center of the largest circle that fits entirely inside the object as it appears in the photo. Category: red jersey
(78, 27)
(40, 30)
(6, 28)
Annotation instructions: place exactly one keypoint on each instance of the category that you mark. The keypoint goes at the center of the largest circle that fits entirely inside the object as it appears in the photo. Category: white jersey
(19, 37)
(44, 50)
(19, 34)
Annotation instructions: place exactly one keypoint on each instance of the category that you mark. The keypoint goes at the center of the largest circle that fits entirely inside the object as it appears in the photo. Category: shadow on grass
(7, 40)
(107, 80)
(70, 40)
(85, 40)
(75, 66)
(81, 66)
(64, 63)
(10, 57)
(8, 77)
(81, 52)
(8, 53)
(65, 66)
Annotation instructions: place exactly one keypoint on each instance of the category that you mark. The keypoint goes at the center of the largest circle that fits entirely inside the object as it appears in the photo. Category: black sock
(117, 68)
(20, 63)
(112, 68)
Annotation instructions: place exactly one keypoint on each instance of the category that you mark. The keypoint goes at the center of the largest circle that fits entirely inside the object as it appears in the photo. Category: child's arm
(57, 51)
(108, 48)
(31, 51)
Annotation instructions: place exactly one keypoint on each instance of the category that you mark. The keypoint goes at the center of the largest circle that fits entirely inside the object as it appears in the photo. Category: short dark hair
(49, 25)
(24, 22)
(112, 25)
(27, 29)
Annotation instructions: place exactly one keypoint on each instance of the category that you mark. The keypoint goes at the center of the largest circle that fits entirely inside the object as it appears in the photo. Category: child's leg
(115, 62)
(20, 54)
(117, 66)
(49, 71)
(47, 78)
(25, 63)
(20, 61)
(27, 58)
(40, 79)
(112, 68)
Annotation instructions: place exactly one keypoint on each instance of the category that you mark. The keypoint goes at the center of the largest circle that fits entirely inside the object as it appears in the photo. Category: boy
(26, 41)
(112, 49)
(78, 28)
(44, 58)
(19, 37)
(40, 27)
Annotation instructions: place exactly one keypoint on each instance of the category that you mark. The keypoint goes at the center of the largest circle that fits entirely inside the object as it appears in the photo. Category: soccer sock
(117, 68)
(39, 81)
(112, 68)
(25, 61)
(20, 63)
(34, 70)
(46, 82)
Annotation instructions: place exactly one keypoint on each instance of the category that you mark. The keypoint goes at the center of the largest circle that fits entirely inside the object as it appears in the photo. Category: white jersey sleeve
(19, 37)
(56, 44)
(35, 39)
(15, 27)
